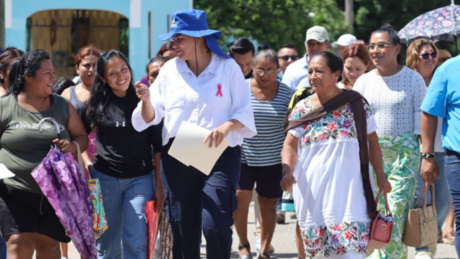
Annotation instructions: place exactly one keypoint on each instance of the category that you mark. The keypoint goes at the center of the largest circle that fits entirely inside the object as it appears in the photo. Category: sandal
(247, 247)
(263, 256)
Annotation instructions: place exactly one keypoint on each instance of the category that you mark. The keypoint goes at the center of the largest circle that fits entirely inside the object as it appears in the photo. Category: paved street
(285, 246)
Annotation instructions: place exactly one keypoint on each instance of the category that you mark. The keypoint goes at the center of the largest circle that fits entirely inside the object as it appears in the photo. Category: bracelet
(427, 155)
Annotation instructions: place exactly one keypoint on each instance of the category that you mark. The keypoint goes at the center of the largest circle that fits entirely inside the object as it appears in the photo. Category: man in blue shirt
(443, 100)
(296, 75)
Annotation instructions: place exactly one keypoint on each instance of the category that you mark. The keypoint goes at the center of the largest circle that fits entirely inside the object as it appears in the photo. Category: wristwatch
(427, 155)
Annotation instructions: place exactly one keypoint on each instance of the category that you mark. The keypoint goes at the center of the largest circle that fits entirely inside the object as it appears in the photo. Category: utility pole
(349, 12)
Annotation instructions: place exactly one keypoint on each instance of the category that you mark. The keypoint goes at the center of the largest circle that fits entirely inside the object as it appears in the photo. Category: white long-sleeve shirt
(217, 95)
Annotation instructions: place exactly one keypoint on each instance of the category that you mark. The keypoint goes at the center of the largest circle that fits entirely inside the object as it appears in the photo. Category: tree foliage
(286, 21)
(371, 14)
(273, 21)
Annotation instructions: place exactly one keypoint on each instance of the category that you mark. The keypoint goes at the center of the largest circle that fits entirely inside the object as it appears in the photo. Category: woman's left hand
(159, 197)
(217, 135)
(65, 146)
(384, 184)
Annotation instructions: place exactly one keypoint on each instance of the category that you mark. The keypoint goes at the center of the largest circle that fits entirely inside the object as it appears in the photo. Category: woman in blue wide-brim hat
(205, 87)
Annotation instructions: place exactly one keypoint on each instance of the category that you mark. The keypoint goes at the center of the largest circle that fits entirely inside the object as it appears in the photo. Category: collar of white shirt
(212, 68)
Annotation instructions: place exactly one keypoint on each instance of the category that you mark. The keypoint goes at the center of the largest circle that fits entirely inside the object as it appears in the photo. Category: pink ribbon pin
(219, 90)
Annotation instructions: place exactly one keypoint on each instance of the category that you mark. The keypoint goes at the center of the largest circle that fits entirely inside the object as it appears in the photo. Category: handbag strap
(424, 190)
(360, 117)
(387, 206)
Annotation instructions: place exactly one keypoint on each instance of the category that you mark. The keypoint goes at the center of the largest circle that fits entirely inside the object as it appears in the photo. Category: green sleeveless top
(22, 147)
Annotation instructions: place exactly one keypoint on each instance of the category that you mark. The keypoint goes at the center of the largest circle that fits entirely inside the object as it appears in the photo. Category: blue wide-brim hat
(193, 23)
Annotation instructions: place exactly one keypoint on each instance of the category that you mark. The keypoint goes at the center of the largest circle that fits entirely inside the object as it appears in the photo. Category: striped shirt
(264, 149)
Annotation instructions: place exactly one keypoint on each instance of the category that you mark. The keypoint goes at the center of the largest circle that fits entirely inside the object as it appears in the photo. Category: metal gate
(63, 32)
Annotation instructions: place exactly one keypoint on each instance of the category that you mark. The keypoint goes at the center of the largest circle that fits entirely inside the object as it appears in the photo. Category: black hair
(263, 46)
(288, 46)
(61, 84)
(5, 56)
(26, 65)
(334, 62)
(102, 94)
(242, 46)
(392, 34)
(153, 60)
(266, 53)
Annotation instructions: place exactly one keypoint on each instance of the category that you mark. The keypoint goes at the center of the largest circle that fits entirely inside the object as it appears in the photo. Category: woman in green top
(27, 220)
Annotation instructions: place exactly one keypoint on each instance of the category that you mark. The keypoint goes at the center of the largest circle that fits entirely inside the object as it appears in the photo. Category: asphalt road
(284, 243)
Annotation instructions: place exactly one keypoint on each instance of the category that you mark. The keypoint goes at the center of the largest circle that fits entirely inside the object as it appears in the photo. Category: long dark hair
(5, 56)
(27, 64)
(102, 94)
(61, 84)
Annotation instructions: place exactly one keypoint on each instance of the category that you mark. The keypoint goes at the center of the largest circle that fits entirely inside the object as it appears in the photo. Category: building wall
(17, 12)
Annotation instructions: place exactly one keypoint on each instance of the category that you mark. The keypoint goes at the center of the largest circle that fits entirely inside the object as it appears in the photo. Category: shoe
(280, 218)
(263, 256)
(271, 249)
(293, 215)
(248, 247)
(423, 255)
(450, 240)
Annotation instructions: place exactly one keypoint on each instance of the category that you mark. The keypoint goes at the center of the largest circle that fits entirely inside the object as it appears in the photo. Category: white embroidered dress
(329, 195)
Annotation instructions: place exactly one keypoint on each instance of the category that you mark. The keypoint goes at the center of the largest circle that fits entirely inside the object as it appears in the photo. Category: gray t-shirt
(22, 146)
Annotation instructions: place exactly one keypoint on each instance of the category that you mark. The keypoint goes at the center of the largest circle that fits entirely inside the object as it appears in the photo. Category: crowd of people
(383, 133)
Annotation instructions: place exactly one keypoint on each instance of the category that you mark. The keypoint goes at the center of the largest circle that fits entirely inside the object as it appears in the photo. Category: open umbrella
(62, 182)
(439, 24)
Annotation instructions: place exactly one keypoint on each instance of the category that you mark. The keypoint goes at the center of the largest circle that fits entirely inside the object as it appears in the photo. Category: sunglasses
(287, 57)
(427, 55)
(380, 45)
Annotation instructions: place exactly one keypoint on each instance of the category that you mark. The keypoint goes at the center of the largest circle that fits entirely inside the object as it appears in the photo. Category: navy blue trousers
(2, 248)
(452, 170)
(196, 202)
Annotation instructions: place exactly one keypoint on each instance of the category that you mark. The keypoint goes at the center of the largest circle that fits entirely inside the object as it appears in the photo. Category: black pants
(196, 202)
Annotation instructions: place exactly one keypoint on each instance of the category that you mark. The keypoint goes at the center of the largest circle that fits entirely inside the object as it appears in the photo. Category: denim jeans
(441, 190)
(452, 168)
(2, 248)
(124, 204)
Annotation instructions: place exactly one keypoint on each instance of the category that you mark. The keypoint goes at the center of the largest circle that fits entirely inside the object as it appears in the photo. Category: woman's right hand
(287, 181)
(142, 91)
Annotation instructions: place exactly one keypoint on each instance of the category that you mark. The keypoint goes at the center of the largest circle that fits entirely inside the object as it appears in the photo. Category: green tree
(273, 21)
(371, 14)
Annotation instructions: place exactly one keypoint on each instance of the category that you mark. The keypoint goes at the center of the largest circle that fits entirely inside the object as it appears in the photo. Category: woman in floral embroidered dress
(322, 158)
